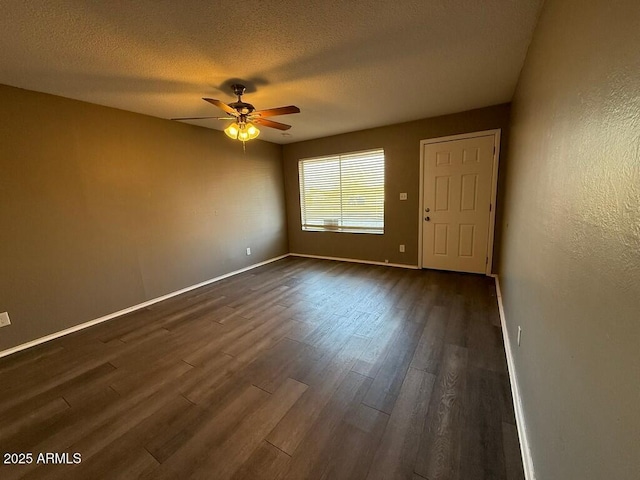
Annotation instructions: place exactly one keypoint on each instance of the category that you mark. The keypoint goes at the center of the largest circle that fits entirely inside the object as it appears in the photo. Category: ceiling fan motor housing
(242, 107)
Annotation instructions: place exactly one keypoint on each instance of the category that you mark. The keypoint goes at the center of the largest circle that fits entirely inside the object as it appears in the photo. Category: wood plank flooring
(300, 369)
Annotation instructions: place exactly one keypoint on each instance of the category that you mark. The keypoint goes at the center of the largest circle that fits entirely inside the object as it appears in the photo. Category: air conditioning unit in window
(331, 223)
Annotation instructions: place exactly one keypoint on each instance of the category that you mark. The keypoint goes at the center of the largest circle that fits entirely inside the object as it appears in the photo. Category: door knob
(427, 219)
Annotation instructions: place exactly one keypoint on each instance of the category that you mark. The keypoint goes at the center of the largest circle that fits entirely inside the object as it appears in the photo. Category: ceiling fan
(245, 116)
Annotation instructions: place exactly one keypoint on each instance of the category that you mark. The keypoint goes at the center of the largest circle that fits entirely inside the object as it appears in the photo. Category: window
(343, 193)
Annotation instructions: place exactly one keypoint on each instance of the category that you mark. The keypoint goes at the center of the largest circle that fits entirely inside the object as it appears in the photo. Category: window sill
(343, 230)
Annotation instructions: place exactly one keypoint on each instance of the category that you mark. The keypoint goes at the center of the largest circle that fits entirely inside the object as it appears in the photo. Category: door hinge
(489, 207)
(486, 260)
(494, 149)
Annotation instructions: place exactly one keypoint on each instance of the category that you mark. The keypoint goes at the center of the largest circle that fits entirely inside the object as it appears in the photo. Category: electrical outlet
(401, 248)
(4, 319)
(519, 334)
(248, 251)
(403, 196)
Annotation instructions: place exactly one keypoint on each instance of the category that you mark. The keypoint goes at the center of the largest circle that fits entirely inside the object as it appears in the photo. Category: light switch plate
(403, 196)
(248, 251)
(4, 319)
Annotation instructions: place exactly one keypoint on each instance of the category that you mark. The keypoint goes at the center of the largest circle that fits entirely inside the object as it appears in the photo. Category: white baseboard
(355, 260)
(110, 316)
(527, 461)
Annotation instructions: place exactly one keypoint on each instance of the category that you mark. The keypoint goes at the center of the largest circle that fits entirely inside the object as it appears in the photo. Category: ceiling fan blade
(272, 112)
(202, 118)
(221, 105)
(271, 123)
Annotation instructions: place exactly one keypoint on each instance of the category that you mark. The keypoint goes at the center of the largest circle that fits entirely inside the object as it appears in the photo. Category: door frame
(494, 188)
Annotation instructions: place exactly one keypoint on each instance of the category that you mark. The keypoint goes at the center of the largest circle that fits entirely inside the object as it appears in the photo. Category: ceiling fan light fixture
(242, 131)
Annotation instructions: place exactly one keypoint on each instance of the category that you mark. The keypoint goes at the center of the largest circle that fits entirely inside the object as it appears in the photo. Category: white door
(457, 193)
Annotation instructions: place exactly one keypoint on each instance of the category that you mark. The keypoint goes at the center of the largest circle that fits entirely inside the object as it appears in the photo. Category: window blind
(343, 192)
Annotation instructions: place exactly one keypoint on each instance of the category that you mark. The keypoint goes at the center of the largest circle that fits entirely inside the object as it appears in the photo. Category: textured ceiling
(348, 65)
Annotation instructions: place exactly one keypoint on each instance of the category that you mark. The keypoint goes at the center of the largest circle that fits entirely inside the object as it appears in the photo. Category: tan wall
(570, 266)
(401, 144)
(103, 209)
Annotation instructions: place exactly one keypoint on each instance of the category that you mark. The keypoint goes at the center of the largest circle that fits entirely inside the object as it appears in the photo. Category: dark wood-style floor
(301, 369)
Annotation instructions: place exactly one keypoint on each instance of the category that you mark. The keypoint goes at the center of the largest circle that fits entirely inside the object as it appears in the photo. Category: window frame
(340, 227)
